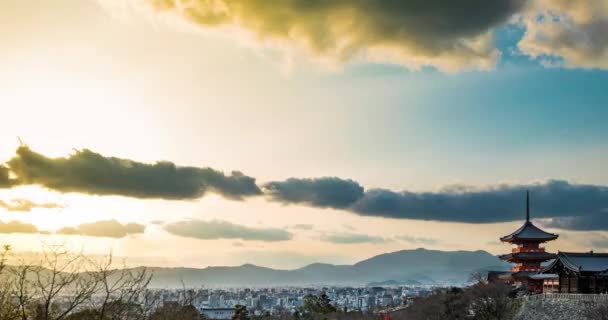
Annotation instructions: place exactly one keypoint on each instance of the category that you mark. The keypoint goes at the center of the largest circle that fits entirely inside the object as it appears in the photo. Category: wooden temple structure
(527, 254)
(576, 272)
(567, 272)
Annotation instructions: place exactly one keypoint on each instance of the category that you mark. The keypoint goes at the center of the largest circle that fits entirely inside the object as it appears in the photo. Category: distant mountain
(406, 266)
(394, 283)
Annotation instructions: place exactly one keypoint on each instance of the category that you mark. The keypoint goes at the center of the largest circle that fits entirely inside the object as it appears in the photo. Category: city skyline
(223, 133)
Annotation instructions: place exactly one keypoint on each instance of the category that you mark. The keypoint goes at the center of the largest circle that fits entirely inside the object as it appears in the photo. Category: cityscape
(288, 300)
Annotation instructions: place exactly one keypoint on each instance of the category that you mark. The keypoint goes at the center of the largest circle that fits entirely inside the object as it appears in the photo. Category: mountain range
(400, 267)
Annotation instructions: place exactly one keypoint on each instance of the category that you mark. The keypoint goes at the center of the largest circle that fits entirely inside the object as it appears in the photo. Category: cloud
(211, 230)
(500, 203)
(417, 240)
(17, 227)
(25, 205)
(449, 35)
(5, 179)
(106, 228)
(350, 238)
(88, 172)
(598, 221)
(320, 192)
(302, 226)
(574, 31)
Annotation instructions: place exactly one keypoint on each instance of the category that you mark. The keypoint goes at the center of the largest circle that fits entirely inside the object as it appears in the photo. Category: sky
(281, 133)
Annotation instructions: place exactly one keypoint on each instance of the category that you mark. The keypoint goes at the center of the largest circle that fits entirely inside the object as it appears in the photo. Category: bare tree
(9, 310)
(64, 285)
(493, 301)
(61, 283)
(120, 290)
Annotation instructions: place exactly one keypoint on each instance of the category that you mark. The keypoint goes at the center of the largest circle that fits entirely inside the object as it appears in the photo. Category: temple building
(576, 272)
(527, 254)
(568, 272)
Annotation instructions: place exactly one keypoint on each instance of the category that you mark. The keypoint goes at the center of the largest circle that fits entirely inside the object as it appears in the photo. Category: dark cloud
(598, 221)
(5, 178)
(89, 172)
(350, 238)
(25, 205)
(450, 35)
(17, 227)
(211, 230)
(550, 199)
(497, 204)
(106, 228)
(319, 192)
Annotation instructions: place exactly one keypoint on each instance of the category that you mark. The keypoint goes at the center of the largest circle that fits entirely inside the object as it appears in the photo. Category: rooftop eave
(511, 239)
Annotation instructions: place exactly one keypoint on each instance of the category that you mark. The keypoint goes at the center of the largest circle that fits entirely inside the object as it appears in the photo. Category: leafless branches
(64, 285)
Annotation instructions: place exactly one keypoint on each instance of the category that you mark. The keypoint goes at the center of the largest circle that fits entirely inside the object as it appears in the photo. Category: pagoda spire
(527, 205)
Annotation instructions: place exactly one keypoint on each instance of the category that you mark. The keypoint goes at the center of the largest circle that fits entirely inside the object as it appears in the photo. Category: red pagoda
(527, 255)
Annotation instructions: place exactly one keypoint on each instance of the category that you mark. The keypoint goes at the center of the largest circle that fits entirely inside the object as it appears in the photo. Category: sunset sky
(281, 133)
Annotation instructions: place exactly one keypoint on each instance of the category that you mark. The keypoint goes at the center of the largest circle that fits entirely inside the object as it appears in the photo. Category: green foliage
(175, 311)
(240, 313)
(315, 307)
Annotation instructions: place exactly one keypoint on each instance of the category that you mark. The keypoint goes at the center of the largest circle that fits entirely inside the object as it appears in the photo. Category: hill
(406, 266)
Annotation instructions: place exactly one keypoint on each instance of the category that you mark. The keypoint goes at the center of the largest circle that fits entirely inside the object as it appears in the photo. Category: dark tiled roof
(529, 232)
(584, 261)
(528, 256)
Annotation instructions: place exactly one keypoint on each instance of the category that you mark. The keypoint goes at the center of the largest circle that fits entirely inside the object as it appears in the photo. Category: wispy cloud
(106, 228)
(25, 205)
(417, 240)
(351, 238)
(17, 227)
(302, 226)
(210, 230)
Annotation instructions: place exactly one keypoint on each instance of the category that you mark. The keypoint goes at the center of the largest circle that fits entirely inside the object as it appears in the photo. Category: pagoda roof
(582, 261)
(528, 256)
(529, 232)
(523, 274)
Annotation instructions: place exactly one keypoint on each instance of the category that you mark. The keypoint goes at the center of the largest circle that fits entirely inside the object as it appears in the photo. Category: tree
(8, 309)
(175, 311)
(62, 285)
(492, 301)
(240, 313)
(119, 290)
(317, 306)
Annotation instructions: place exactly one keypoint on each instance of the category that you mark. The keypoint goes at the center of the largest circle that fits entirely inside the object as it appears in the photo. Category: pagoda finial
(527, 205)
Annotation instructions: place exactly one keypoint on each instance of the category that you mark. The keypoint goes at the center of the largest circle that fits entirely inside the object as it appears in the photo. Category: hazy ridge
(406, 266)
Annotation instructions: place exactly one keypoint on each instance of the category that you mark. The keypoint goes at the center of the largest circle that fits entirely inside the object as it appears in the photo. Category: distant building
(527, 255)
(217, 313)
